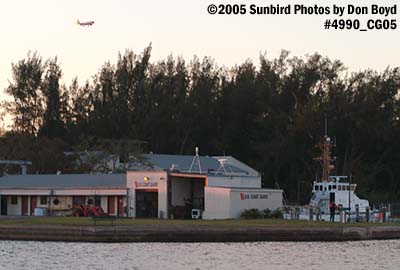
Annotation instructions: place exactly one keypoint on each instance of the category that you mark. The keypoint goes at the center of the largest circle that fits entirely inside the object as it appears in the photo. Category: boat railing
(311, 213)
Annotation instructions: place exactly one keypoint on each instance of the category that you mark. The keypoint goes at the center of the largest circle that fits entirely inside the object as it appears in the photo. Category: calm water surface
(262, 255)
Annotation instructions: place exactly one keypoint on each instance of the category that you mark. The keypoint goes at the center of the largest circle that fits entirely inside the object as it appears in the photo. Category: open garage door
(185, 192)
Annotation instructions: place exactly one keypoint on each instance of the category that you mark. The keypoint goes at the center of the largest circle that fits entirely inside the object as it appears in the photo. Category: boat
(338, 190)
(335, 189)
(331, 189)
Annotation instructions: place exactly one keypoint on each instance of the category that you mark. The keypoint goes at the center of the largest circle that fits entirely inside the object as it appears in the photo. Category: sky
(181, 28)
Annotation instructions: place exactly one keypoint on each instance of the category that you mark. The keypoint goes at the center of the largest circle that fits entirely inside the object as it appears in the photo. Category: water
(159, 256)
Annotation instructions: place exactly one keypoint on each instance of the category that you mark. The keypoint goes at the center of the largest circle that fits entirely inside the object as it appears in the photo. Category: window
(329, 187)
(43, 199)
(14, 199)
(334, 186)
(339, 187)
(97, 200)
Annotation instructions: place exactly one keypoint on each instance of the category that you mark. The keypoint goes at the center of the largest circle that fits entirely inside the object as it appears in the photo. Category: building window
(43, 199)
(14, 200)
(97, 200)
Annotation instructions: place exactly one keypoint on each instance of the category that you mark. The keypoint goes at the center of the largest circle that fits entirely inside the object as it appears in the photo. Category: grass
(87, 221)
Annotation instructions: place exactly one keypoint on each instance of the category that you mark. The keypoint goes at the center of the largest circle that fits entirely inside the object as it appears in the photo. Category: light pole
(349, 195)
(298, 191)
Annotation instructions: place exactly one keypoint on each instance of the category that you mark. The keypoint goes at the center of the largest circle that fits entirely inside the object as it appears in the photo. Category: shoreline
(182, 233)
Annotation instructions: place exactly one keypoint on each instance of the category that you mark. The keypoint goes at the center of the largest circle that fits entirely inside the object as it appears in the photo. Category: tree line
(269, 115)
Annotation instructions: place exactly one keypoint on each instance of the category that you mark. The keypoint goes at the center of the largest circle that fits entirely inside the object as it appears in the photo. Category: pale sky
(183, 28)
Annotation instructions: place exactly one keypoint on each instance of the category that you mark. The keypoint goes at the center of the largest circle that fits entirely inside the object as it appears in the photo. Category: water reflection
(260, 255)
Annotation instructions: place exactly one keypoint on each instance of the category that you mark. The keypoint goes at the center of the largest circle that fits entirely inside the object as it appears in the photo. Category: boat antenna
(325, 159)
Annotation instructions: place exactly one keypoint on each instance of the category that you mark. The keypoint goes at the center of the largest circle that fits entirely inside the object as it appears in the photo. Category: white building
(168, 186)
(221, 187)
(60, 194)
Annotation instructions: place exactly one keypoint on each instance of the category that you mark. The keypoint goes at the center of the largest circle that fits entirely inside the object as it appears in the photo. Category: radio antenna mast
(325, 159)
(196, 161)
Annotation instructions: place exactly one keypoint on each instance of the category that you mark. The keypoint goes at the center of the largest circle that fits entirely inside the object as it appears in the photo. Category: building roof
(63, 181)
(182, 163)
(237, 163)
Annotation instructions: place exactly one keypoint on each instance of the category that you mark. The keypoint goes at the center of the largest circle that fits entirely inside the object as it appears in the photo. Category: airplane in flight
(88, 23)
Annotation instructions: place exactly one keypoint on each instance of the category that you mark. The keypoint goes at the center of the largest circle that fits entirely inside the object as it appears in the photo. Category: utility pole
(349, 194)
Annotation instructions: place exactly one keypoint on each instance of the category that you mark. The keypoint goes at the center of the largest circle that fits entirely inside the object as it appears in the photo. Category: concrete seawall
(178, 233)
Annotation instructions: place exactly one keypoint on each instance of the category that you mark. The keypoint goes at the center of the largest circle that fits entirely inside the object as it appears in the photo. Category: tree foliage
(268, 115)
(27, 105)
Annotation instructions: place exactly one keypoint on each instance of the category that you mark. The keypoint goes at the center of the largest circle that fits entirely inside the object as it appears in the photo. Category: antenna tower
(196, 161)
(325, 159)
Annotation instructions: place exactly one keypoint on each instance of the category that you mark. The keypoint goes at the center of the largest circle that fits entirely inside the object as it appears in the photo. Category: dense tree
(27, 105)
(47, 155)
(53, 126)
(269, 115)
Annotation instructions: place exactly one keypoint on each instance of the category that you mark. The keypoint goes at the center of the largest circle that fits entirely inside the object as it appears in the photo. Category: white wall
(223, 203)
(163, 198)
(64, 203)
(14, 209)
(104, 203)
(234, 181)
(131, 202)
(216, 203)
(260, 199)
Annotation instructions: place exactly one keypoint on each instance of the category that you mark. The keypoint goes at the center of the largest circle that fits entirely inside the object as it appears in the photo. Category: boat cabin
(338, 191)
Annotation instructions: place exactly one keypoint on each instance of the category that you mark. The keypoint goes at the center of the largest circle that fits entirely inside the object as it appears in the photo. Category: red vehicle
(88, 211)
